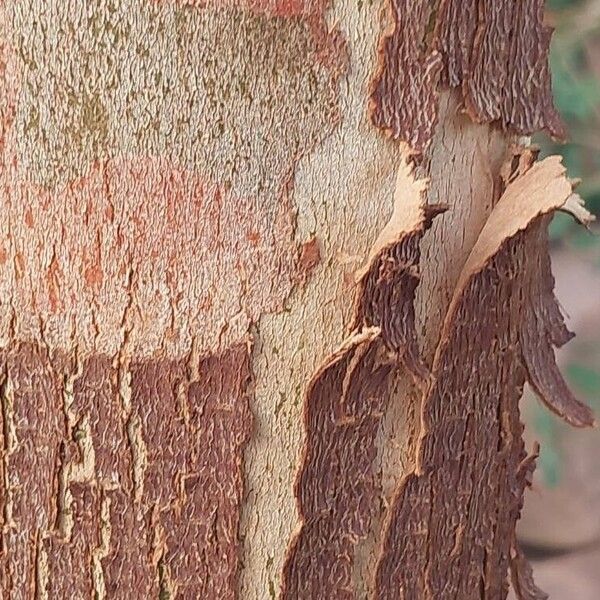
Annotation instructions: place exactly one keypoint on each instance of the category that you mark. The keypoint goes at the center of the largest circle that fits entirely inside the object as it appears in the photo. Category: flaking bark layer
(112, 500)
(336, 488)
(451, 527)
(495, 52)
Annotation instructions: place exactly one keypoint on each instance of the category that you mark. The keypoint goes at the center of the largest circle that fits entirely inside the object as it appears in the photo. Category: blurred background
(560, 528)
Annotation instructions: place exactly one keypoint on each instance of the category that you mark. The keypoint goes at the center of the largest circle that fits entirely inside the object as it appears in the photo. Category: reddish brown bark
(496, 52)
(190, 188)
(184, 512)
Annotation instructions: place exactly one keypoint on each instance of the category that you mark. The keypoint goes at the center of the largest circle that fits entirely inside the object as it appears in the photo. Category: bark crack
(139, 456)
(103, 549)
(9, 447)
(41, 569)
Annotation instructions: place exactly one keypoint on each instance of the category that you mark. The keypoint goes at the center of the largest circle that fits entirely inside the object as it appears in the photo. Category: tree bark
(273, 274)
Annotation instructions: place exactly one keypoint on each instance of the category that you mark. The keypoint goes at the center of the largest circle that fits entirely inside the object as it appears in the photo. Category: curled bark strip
(450, 529)
(539, 190)
(393, 278)
(404, 96)
(345, 402)
(543, 327)
(335, 486)
(458, 504)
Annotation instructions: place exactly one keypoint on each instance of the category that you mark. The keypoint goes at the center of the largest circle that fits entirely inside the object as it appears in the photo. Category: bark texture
(250, 345)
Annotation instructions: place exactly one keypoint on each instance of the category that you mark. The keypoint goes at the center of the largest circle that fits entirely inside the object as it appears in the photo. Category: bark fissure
(8, 445)
(139, 459)
(102, 550)
(41, 570)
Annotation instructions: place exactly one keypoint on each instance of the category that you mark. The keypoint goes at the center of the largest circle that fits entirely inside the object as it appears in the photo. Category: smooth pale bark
(216, 357)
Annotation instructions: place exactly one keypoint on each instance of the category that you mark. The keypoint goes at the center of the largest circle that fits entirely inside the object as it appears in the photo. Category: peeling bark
(451, 527)
(235, 361)
(451, 524)
(495, 52)
(345, 402)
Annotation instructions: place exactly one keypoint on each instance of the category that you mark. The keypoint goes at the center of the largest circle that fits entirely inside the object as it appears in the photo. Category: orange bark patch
(170, 229)
(196, 223)
(310, 257)
(93, 273)
(253, 237)
(93, 276)
(19, 265)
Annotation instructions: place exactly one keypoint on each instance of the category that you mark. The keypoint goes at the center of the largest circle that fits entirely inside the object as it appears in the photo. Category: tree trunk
(223, 374)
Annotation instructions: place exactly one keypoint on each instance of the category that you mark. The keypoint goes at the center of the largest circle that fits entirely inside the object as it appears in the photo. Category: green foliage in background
(575, 66)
